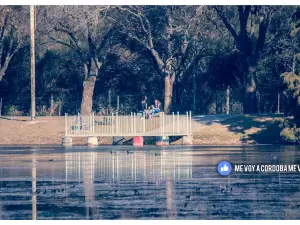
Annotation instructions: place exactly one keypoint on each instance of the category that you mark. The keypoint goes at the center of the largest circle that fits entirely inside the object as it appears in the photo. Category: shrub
(43, 111)
(13, 111)
(288, 135)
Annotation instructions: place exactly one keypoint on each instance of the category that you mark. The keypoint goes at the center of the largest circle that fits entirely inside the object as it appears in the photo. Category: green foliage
(13, 110)
(290, 135)
(292, 81)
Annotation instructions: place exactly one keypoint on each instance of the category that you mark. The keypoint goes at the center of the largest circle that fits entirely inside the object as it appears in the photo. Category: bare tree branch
(243, 17)
(226, 23)
(263, 28)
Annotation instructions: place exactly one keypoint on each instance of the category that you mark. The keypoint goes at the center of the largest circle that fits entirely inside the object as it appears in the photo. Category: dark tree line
(186, 56)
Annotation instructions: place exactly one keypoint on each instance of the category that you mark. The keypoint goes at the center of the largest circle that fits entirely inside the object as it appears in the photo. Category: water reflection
(165, 184)
(33, 187)
(120, 166)
(91, 209)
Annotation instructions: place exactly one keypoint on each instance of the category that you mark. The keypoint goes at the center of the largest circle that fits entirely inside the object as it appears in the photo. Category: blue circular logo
(224, 168)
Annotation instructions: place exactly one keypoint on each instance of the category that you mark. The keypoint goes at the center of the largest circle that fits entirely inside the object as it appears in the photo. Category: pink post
(138, 141)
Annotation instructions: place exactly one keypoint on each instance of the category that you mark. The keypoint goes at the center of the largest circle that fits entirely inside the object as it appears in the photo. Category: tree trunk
(168, 93)
(89, 86)
(178, 100)
(250, 100)
(51, 105)
(87, 95)
(228, 99)
(217, 103)
(4, 67)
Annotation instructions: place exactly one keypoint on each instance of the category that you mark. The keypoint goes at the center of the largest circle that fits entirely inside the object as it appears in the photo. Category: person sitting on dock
(156, 108)
(142, 106)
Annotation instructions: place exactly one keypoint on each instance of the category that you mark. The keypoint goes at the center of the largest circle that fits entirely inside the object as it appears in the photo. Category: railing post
(160, 123)
(177, 122)
(163, 122)
(144, 122)
(90, 124)
(173, 122)
(131, 120)
(79, 123)
(117, 123)
(134, 123)
(66, 124)
(93, 122)
(111, 123)
(190, 122)
(118, 102)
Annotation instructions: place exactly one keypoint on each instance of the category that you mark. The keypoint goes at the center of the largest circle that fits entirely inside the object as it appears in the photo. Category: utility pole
(51, 105)
(32, 57)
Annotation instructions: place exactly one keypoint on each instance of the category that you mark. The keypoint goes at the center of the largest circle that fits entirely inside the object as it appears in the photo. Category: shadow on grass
(15, 119)
(260, 129)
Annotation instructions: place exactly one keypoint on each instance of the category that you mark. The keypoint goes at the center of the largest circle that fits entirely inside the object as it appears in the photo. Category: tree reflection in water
(177, 184)
(115, 169)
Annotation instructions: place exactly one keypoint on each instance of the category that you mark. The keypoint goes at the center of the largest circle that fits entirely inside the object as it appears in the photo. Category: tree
(275, 59)
(249, 35)
(292, 82)
(166, 33)
(14, 33)
(84, 30)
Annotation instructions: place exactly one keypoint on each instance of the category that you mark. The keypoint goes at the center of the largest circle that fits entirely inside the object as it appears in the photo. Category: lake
(124, 182)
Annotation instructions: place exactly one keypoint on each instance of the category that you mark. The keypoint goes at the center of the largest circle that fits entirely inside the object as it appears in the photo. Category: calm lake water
(148, 183)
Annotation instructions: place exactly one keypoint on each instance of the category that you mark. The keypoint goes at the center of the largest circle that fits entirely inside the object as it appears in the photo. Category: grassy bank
(241, 129)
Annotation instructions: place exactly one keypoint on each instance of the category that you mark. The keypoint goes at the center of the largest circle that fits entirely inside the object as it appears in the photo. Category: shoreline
(171, 145)
(235, 130)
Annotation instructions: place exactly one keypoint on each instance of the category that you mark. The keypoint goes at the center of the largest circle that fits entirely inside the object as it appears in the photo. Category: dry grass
(244, 129)
(216, 134)
(45, 131)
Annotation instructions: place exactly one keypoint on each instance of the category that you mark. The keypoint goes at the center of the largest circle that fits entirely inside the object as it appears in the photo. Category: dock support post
(67, 141)
(162, 140)
(92, 141)
(138, 141)
(187, 140)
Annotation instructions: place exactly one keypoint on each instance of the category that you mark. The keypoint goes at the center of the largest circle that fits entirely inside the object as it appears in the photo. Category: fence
(128, 125)
(57, 105)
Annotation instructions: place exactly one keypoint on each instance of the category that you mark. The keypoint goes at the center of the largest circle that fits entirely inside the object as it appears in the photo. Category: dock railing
(128, 125)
